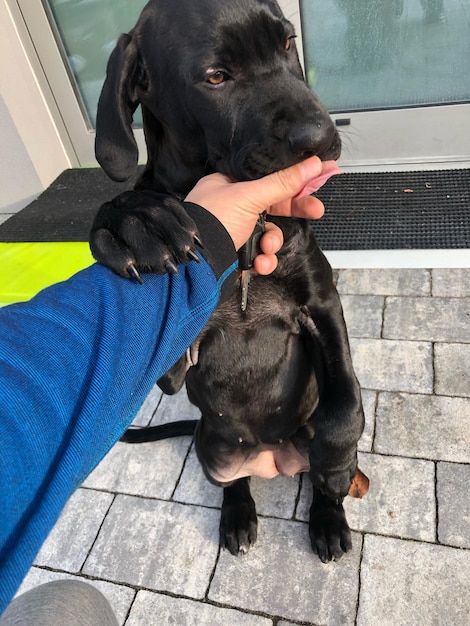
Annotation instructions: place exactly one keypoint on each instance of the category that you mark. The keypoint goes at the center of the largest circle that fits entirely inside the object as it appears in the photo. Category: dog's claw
(197, 241)
(170, 267)
(133, 273)
(192, 255)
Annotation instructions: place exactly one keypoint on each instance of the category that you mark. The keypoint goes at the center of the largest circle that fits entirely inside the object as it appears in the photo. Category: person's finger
(270, 243)
(265, 263)
(285, 184)
(308, 207)
(272, 239)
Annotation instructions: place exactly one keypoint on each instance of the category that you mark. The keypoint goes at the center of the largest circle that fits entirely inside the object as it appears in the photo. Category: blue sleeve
(76, 363)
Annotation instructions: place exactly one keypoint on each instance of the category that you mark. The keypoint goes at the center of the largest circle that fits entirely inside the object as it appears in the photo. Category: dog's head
(221, 89)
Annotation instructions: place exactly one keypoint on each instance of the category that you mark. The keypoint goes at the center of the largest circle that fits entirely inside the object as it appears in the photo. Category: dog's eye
(217, 78)
(289, 42)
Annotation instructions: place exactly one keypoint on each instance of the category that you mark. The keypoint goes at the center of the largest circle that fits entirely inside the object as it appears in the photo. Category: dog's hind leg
(238, 520)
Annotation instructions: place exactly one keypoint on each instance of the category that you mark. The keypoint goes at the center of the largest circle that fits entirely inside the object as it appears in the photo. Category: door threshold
(409, 259)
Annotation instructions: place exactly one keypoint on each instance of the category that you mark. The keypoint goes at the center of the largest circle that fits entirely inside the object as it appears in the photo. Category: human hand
(238, 204)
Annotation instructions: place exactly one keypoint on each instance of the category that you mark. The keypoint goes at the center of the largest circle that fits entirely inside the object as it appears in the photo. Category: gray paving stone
(175, 408)
(454, 504)
(280, 576)
(147, 410)
(411, 583)
(168, 611)
(401, 498)
(427, 319)
(118, 596)
(70, 540)
(363, 315)
(369, 400)
(146, 469)
(451, 283)
(276, 497)
(400, 502)
(452, 369)
(194, 488)
(162, 546)
(393, 365)
(430, 427)
(385, 282)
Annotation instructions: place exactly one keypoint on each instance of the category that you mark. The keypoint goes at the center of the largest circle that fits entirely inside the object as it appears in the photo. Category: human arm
(76, 364)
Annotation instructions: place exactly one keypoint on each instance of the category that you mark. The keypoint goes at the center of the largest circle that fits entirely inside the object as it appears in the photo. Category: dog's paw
(330, 535)
(238, 527)
(143, 231)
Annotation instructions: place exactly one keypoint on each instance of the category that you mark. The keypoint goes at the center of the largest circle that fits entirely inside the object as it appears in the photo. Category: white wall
(19, 182)
(33, 149)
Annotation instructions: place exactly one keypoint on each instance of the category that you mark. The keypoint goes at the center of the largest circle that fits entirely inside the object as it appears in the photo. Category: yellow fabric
(26, 268)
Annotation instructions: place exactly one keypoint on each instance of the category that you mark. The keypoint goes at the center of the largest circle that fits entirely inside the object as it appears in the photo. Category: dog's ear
(115, 146)
(173, 380)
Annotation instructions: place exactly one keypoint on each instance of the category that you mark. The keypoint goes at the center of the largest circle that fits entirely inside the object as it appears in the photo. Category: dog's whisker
(347, 140)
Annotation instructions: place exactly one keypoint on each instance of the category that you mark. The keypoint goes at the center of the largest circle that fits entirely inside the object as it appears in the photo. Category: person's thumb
(284, 184)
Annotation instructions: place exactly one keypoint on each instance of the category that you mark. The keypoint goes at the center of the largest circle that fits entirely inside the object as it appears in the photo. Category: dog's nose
(306, 140)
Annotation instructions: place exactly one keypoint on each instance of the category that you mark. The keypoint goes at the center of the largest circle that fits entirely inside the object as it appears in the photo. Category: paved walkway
(144, 526)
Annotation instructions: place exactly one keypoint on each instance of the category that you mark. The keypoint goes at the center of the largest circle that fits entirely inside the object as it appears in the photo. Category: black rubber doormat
(65, 210)
(396, 210)
(364, 211)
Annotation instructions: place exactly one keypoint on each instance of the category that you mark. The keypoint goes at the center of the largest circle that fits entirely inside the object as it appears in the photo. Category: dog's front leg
(238, 520)
(338, 424)
(339, 418)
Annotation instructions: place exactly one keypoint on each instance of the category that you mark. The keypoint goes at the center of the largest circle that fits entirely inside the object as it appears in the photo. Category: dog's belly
(265, 462)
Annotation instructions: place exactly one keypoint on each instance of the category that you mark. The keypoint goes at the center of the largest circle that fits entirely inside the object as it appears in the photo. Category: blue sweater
(76, 364)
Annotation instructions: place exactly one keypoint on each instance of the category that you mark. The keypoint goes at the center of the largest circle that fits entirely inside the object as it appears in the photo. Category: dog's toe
(239, 540)
(331, 546)
(238, 528)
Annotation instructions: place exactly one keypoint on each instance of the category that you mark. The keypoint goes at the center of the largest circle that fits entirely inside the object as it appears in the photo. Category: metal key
(246, 256)
(244, 281)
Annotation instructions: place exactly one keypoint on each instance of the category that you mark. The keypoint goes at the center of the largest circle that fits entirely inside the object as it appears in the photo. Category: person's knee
(62, 603)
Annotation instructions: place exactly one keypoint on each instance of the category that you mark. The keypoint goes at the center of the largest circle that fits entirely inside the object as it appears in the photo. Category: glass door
(73, 40)
(86, 33)
(394, 73)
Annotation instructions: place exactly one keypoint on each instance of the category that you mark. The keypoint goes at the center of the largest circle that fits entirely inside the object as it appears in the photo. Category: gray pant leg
(60, 603)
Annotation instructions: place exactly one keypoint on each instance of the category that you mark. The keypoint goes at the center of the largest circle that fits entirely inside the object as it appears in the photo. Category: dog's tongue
(330, 168)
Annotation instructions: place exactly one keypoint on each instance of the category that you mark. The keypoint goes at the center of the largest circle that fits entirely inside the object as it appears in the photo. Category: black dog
(221, 89)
